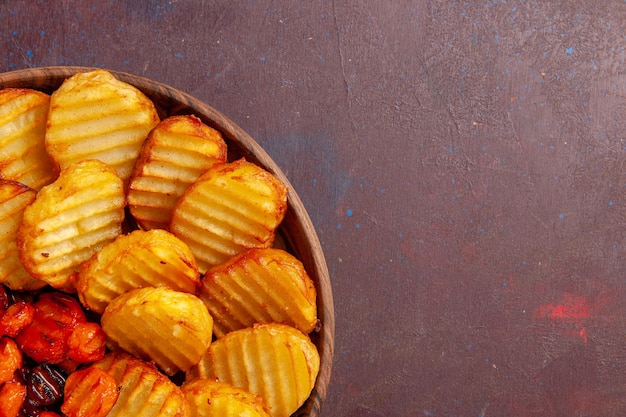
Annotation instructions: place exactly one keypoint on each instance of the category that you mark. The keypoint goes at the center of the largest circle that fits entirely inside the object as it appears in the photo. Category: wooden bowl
(296, 233)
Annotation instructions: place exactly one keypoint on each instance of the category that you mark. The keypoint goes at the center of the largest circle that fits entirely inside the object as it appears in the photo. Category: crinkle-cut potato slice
(231, 207)
(93, 115)
(171, 328)
(69, 221)
(256, 286)
(154, 258)
(143, 390)
(275, 361)
(23, 157)
(14, 198)
(212, 398)
(175, 154)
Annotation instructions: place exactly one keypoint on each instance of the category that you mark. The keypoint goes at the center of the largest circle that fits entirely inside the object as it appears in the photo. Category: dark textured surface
(463, 162)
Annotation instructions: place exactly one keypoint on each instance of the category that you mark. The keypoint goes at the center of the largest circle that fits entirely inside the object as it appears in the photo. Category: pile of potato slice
(169, 243)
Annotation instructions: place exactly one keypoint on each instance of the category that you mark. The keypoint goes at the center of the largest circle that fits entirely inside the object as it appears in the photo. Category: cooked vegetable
(257, 286)
(23, 156)
(275, 361)
(143, 390)
(230, 208)
(44, 385)
(169, 327)
(154, 258)
(69, 221)
(68, 243)
(47, 339)
(212, 398)
(12, 395)
(14, 198)
(90, 392)
(93, 115)
(175, 154)
(86, 343)
(16, 318)
(10, 359)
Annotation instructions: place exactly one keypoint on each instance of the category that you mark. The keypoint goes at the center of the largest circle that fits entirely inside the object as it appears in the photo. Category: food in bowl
(173, 156)
(71, 227)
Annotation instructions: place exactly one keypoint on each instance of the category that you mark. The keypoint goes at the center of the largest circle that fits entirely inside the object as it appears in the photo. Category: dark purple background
(463, 161)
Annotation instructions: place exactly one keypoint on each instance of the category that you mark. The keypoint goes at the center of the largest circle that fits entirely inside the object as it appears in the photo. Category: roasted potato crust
(23, 157)
(275, 361)
(14, 198)
(69, 221)
(154, 258)
(94, 163)
(209, 398)
(171, 328)
(259, 285)
(178, 150)
(143, 390)
(231, 207)
(93, 115)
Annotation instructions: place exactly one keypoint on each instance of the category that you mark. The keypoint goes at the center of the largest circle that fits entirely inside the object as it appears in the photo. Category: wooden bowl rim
(310, 250)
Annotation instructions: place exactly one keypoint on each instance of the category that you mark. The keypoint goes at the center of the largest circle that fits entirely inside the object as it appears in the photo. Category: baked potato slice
(231, 207)
(171, 328)
(153, 258)
(23, 157)
(259, 285)
(275, 361)
(93, 115)
(178, 150)
(212, 398)
(14, 198)
(69, 221)
(143, 390)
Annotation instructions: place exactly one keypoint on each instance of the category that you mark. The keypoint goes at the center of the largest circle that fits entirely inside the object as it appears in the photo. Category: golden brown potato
(275, 361)
(69, 221)
(154, 258)
(23, 157)
(143, 390)
(175, 154)
(93, 115)
(211, 398)
(256, 286)
(231, 207)
(171, 328)
(14, 198)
